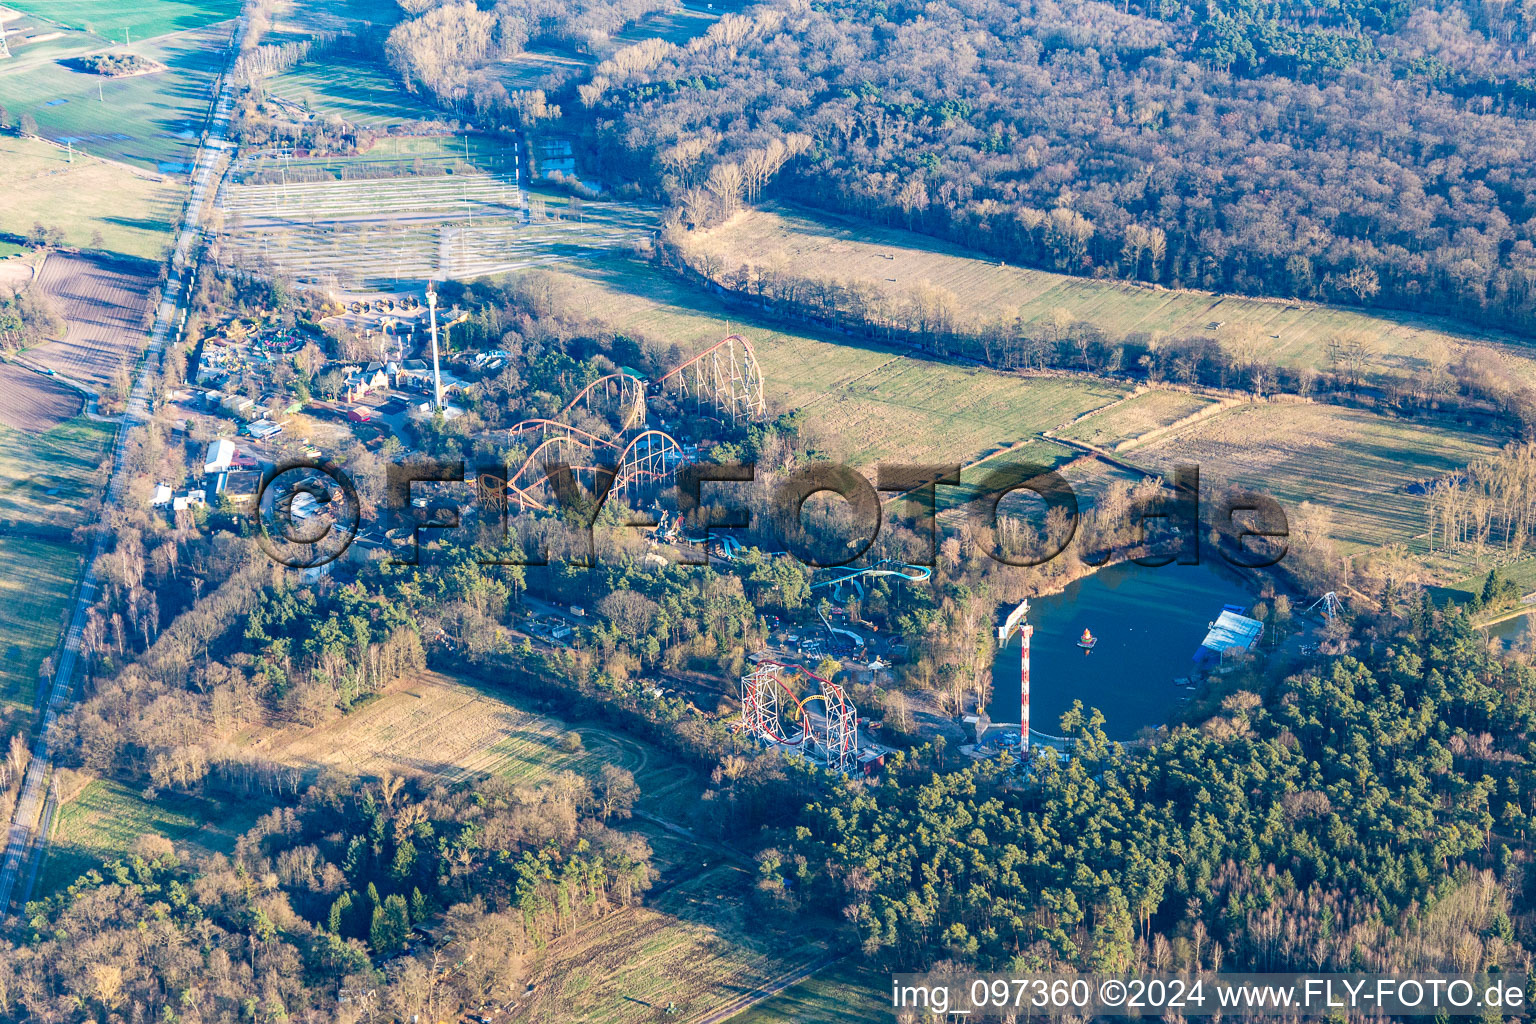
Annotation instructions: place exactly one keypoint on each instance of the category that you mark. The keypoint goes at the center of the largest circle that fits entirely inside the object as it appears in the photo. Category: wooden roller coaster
(724, 376)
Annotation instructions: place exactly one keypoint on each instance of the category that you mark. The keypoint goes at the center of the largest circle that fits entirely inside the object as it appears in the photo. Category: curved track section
(650, 459)
(828, 731)
(620, 396)
(725, 376)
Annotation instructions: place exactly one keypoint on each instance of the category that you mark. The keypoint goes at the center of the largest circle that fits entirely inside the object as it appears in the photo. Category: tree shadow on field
(137, 223)
(635, 277)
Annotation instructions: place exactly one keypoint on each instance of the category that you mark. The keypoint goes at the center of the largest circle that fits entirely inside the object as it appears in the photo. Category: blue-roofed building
(1231, 633)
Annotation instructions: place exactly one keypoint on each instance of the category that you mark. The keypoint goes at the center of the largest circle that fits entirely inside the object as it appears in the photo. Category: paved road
(25, 822)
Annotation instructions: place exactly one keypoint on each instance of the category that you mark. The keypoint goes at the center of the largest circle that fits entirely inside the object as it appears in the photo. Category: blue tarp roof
(1232, 631)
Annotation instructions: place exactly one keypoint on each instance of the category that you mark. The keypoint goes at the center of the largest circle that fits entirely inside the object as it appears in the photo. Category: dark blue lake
(1149, 623)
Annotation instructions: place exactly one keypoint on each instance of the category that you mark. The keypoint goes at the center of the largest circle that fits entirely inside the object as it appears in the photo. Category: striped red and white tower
(1025, 631)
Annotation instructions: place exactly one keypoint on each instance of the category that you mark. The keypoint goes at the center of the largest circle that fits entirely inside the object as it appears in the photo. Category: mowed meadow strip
(1363, 472)
(433, 726)
(857, 402)
(1296, 334)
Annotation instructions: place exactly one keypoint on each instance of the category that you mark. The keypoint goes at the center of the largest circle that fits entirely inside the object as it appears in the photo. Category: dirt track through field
(31, 402)
(103, 307)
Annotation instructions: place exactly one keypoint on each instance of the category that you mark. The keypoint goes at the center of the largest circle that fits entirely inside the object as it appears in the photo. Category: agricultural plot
(150, 121)
(117, 21)
(374, 233)
(33, 40)
(47, 477)
(861, 402)
(363, 94)
(435, 727)
(1136, 417)
(1293, 334)
(132, 210)
(1359, 469)
(103, 307)
(45, 480)
(31, 402)
(697, 947)
(105, 819)
(35, 589)
(841, 994)
(538, 68)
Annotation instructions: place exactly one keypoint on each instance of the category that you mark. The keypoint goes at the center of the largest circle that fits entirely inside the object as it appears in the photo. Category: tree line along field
(863, 403)
(150, 121)
(860, 402)
(132, 210)
(1293, 334)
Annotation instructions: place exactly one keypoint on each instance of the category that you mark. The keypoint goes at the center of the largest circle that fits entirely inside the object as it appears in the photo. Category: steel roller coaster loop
(830, 737)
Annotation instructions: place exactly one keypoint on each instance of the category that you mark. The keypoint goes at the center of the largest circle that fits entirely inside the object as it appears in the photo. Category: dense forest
(1246, 147)
(1369, 814)
(318, 894)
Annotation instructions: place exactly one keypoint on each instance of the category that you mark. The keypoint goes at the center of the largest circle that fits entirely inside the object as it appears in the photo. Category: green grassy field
(35, 589)
(138, 21)
(106, 818)
(1136, 417)
(362, 93)
(1291, 334)
(841, 994)
(48, 477)
(40, 574)
(860, 402)
(1354, 466)
(695, 947)
(132, 210)
(150, 121)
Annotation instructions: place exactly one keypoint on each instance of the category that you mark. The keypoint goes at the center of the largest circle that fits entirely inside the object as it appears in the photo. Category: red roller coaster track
(831, 737)
(622, 394)
(725, 375)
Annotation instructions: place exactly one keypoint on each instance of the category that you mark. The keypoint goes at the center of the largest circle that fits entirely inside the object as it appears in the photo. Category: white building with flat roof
(220, 454)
